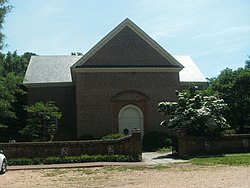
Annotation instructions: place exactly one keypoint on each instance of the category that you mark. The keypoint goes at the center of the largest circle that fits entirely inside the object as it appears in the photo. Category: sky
(215, 33)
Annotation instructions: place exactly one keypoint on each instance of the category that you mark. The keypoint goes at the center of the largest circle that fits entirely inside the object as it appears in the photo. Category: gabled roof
(49, 69)
(124, 27)
(191, 72)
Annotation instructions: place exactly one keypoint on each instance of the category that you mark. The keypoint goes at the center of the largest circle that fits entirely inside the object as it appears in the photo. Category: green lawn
(229, 159)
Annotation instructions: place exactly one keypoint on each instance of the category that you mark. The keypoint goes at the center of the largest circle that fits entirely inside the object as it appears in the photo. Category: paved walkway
(152, 158)
(149, 158)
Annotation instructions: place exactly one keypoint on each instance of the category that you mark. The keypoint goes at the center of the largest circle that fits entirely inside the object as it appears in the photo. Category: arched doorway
(130, 117)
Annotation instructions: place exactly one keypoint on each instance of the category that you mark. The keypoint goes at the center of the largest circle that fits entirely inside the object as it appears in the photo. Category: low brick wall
(125, 146)
(195, 146)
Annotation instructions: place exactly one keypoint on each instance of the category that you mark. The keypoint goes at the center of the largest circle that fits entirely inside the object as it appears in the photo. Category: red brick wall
(96, 114)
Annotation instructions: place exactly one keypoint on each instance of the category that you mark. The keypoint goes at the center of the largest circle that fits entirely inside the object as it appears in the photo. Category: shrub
(199, 115)
(42, 122)
(155, 140)
(112, 136)
(229, 132)
(75, 159)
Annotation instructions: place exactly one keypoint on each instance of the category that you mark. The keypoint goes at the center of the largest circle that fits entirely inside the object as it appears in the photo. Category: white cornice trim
(151, 69)
(127, 22)
(195, 82)
(41, 85)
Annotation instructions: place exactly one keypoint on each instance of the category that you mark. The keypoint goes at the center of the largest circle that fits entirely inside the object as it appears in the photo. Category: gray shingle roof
(190, 72)
(49, 69)
(56, 69)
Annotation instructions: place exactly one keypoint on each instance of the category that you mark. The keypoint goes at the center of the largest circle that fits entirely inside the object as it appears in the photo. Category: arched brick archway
(130, 100)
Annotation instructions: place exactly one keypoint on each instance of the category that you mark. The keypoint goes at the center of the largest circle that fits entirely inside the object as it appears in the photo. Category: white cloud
(227, 31)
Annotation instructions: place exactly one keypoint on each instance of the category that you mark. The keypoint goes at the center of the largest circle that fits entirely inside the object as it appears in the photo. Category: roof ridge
(56, 55)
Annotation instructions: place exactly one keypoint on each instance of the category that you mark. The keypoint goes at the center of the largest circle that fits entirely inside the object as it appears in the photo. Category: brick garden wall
(127, 146)
(195, 146)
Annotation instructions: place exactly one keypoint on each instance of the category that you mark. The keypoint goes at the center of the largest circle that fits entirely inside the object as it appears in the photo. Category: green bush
(75, 159)
(198, 114)
(155, 140)
(229, 132)
(112, 136)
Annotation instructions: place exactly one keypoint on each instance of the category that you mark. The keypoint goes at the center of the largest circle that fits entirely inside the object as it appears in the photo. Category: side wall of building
(97, 112)
(64, 98)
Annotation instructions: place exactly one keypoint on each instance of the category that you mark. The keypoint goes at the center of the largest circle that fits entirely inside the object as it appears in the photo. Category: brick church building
(114, 87)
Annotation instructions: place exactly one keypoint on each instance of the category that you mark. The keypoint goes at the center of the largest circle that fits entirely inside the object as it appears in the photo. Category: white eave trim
(49, 84)
(127, 69)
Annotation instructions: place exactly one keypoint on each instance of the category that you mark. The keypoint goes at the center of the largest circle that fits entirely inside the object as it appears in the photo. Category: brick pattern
(195, 146)
(126, 146)
(127, 49)
(97, 113)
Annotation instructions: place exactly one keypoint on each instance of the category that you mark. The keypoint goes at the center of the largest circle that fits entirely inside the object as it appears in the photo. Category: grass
(229, 159)
(105, 169)
(136, 168)
(56, 172)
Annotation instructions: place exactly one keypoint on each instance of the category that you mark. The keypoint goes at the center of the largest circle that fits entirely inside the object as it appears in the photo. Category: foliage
(233, 86)
(247, 63)
(4, 9)
(76, 53)
(199, 115)
(112, 136)
(12, 93)
(42, 121)
(155, 140)
(12, 71)
(230, 159)
(9, 87)
(75, 159)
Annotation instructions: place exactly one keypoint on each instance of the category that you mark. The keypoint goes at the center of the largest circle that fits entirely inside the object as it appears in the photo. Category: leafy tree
(8, 87)
(247, 63)
(233, 86)
(42, 121)
(199, 115)
(76, 53)
(4, 9)
(12, 94)
(12, 62)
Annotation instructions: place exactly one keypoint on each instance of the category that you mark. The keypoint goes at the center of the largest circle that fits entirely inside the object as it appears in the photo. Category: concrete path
(152, 158)
(148, 158)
